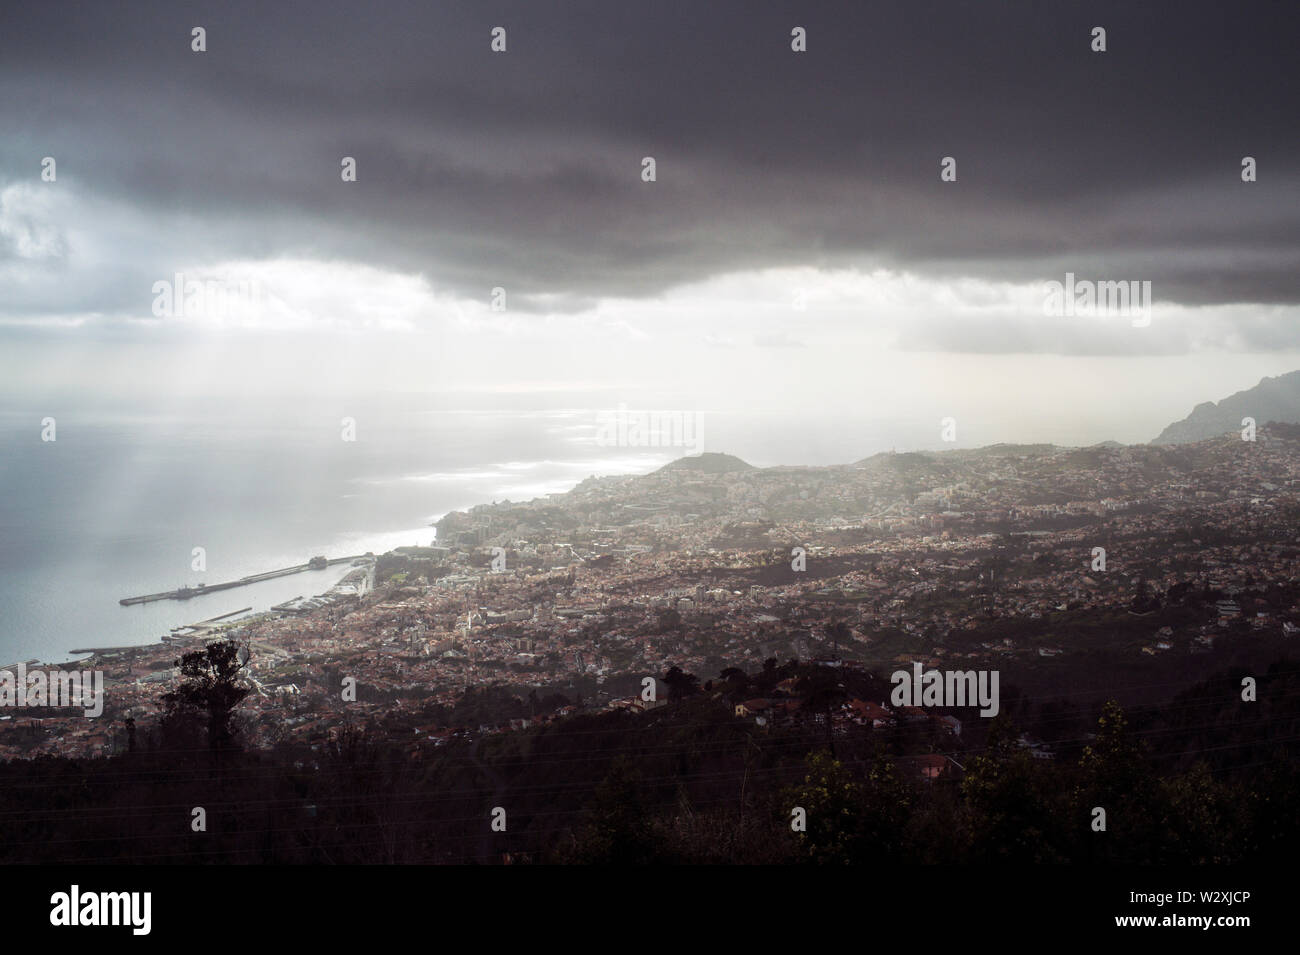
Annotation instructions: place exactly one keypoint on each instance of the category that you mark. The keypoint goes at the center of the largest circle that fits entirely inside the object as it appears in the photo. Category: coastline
(186, 633)
(205, 630)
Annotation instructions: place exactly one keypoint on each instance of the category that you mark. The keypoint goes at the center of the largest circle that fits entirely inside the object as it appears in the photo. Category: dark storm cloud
(523, 169)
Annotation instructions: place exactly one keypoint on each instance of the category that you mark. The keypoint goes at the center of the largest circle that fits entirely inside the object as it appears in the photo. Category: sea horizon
(273, 492)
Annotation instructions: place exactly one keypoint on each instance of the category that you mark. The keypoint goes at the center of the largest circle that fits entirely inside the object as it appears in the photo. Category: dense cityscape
(1026, 559)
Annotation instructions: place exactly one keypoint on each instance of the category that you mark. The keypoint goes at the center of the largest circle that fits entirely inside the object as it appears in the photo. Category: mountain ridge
(1273, 399)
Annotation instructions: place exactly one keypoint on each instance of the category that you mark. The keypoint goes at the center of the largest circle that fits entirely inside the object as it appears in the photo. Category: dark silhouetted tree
(206, 698)
(823, 693)
(1011, 801)
(618, 831)
(680, 684)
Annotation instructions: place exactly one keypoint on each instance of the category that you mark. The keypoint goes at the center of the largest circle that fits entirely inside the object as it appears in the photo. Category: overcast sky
(797, 249)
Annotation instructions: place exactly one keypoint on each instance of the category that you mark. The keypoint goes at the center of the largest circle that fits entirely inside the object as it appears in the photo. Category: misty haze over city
(560, 432)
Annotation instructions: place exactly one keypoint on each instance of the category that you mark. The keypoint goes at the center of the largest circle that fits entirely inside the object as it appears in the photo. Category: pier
(195, 630)
(201, 623)
(203, 628)
(185, 593)
(99, 651)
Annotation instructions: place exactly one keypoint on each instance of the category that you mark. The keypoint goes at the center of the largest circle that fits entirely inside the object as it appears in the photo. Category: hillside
(710, 462)
(1273, 399)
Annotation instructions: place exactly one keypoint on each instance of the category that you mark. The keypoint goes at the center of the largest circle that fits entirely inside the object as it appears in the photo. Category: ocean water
(115, 505)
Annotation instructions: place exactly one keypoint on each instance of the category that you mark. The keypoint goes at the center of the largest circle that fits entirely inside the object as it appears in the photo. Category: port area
(359, 581)
(186, 592)
(356, 583)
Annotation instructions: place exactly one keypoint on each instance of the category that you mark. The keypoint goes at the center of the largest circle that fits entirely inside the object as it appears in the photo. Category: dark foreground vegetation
(1205, 778)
